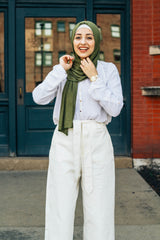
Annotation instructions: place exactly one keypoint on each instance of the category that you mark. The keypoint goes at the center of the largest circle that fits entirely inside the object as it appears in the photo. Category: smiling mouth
(83, 49)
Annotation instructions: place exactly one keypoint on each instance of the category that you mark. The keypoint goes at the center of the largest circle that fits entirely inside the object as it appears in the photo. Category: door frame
(91, 7)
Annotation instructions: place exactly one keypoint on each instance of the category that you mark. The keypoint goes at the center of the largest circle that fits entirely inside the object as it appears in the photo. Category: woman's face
(84, 42)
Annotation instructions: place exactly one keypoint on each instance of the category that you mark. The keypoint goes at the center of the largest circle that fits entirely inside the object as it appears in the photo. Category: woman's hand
(88, 67)
(66, 62)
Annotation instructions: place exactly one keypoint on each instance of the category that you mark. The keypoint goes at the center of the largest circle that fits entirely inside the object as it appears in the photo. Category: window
(47, 59)
(43, 28)
(47, 46)
(115, 31)
(61, 53)
(71, 26)
(101, 56)
(60, 26)
(117, 55)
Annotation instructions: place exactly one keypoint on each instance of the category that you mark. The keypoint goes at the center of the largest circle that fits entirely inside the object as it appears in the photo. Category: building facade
(145, 78)
(34, 34)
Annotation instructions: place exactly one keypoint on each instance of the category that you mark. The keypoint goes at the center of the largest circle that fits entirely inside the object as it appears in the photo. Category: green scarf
(75, 75)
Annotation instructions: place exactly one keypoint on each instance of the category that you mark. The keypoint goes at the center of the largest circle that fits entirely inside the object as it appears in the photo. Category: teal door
(42, 36)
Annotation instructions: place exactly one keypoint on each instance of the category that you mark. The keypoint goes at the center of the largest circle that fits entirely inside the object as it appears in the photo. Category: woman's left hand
(88, 67)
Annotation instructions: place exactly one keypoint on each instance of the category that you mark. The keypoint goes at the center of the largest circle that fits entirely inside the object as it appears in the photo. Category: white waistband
(88, 121)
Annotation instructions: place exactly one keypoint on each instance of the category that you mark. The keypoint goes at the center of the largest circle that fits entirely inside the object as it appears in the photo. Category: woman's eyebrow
(86, 34)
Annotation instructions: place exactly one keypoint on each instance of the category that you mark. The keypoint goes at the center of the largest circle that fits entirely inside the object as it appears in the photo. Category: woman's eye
(77, 38)
(89, 38)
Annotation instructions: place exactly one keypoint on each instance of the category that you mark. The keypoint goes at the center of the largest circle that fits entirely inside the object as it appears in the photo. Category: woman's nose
(83, 40)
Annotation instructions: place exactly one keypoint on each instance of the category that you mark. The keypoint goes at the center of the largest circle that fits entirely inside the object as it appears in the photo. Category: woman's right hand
(66, 62)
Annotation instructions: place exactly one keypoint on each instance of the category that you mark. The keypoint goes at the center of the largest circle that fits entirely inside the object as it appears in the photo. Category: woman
(88, 93)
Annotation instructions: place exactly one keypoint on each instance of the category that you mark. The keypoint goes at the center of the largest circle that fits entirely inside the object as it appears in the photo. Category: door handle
(20, 91)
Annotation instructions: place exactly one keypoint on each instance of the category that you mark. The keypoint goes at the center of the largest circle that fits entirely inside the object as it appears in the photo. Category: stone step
(41, 163)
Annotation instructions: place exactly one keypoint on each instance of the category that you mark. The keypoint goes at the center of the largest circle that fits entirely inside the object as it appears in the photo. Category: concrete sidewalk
(22, 207)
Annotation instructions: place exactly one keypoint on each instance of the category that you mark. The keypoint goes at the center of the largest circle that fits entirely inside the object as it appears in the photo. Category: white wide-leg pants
(86, 153)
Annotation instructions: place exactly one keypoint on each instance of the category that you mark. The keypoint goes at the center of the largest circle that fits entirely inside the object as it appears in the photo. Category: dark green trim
(3, 3)
(89, 10)
(50, 5)
(127, 54)
(11, 77)
(50, 1)
(110, 2)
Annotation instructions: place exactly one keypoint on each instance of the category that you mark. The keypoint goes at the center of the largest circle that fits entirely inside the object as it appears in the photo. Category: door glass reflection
(109, 25)
(2, 77)
(46, 39)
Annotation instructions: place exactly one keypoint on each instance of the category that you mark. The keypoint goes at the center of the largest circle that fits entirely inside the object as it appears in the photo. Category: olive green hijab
(75, 75)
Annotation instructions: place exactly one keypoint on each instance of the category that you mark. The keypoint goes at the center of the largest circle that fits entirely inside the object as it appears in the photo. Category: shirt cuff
(98, 84)
(60, 69)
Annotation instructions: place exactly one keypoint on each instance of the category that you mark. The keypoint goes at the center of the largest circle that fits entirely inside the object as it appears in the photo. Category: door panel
(111, 43)
(2, 70)
(44, 37)
(3, 87)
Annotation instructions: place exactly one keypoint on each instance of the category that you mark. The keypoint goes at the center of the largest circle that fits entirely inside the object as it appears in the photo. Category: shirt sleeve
(45, 92)
(108, 93)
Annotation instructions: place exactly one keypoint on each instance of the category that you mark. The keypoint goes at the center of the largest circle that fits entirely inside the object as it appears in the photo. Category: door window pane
(44, 45)
(2, 77)
(111, 42)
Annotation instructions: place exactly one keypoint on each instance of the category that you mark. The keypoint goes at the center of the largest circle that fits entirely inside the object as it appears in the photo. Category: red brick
(145, 72)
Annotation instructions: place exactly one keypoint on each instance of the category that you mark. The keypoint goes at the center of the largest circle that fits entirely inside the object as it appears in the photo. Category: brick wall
(145, 72)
